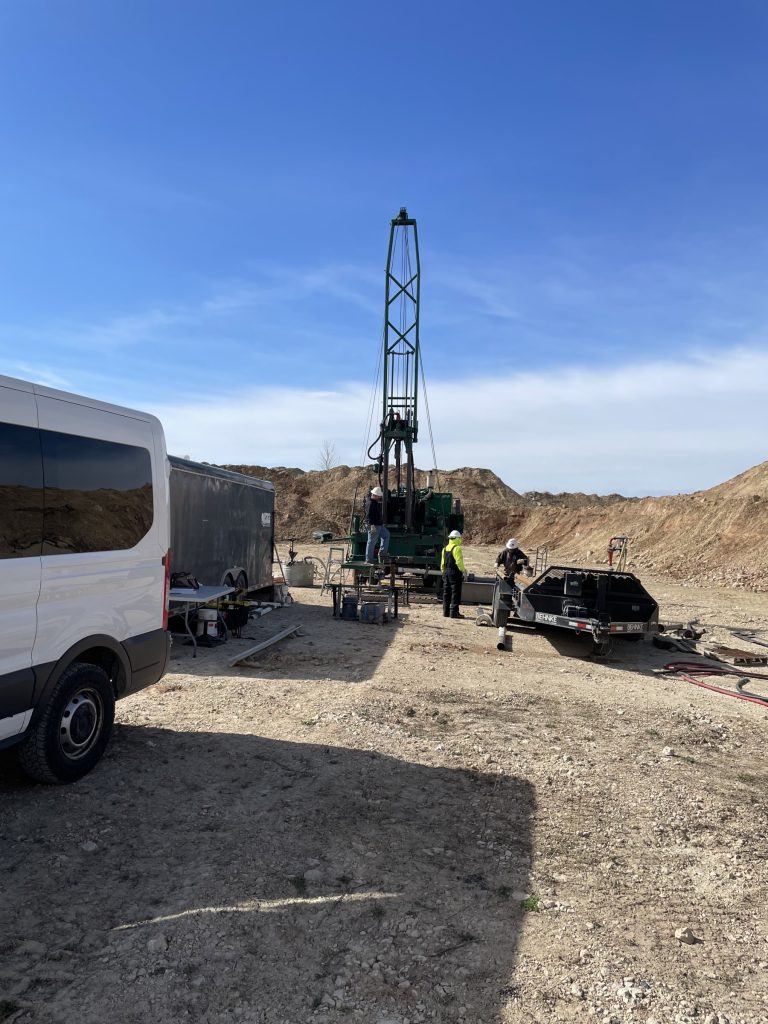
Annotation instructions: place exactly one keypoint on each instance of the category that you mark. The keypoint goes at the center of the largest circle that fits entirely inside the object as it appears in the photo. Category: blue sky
(195, 201)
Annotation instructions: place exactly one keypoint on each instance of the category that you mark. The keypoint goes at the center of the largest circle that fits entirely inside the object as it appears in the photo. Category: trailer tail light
(166, 586)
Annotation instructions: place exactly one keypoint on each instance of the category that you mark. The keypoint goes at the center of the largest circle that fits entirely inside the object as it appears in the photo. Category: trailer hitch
(602, 639)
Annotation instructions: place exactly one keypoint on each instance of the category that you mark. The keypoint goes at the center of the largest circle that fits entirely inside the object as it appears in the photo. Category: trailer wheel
(74, 728)
(242, 583)
(228, 581)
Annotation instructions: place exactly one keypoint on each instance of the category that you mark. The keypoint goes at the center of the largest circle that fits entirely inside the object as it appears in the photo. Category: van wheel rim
(81, 723)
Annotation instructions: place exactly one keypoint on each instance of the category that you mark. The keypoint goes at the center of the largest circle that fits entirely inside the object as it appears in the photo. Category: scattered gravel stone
(686, 935)
(31, 948)
(157, 944)
(634, 994)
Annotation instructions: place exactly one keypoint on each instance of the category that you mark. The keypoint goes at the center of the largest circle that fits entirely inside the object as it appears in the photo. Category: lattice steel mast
(399, 421)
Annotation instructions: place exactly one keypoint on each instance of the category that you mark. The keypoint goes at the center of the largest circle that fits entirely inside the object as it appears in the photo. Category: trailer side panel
(222, 523)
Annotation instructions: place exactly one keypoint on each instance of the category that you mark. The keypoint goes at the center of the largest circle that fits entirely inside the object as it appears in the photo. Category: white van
(84, 571)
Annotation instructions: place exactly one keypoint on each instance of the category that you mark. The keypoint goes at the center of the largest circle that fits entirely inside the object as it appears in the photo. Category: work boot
(457, 615)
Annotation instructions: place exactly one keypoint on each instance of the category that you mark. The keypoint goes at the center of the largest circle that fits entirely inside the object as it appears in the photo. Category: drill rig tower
(419, 519)
(399, 424)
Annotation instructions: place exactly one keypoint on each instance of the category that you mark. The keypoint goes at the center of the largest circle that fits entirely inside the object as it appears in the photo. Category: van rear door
(21, 532)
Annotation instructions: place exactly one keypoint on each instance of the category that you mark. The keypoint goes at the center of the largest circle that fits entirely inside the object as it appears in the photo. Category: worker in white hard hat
(453, 570)
(377, 531)
(511, 560)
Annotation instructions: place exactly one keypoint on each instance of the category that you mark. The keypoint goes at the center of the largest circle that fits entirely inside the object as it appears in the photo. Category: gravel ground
(398, 824)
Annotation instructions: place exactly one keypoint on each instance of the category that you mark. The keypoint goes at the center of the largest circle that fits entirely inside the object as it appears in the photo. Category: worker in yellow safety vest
(452, 568)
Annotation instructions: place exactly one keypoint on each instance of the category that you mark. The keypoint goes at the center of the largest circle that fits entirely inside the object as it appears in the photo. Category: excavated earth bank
(714, 536)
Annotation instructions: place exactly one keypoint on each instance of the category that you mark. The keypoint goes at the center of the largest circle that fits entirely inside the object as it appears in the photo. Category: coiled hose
(691, 670)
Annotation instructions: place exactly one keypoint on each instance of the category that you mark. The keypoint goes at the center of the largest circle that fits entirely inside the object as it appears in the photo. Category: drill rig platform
(419, 519)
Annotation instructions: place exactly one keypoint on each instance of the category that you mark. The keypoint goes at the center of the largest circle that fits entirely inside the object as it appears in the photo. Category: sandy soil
(398, 823)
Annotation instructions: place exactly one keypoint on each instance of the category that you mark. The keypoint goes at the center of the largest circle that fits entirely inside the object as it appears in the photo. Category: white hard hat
(454, 535)
(377, 492)
(512, 543)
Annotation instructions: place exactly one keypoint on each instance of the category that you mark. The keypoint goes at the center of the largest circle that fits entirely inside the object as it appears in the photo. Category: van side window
(21, 491)
(98, 494)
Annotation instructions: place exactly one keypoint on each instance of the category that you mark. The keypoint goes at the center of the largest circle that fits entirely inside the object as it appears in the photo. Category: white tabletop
(186, 595)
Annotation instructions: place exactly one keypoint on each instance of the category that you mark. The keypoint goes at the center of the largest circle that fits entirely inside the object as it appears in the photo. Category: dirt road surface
(398, 824)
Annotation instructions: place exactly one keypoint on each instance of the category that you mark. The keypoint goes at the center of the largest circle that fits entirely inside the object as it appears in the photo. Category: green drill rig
(418, 519)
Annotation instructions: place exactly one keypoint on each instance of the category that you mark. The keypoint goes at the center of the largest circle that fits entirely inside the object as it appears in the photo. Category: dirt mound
(578, 499)
(475, 487)
(310, 500)
(715, 536)
(689, 537)
(753, 482)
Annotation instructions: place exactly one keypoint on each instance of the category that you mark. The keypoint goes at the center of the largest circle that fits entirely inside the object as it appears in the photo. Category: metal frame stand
(334, 568)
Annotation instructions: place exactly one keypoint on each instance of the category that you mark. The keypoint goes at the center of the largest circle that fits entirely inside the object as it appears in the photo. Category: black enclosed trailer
(222, 525)
(597, 602)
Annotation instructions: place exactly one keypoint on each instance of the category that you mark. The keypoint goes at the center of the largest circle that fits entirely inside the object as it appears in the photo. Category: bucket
(299, 574)
(372, 612)
(349, 607)
(207, 622)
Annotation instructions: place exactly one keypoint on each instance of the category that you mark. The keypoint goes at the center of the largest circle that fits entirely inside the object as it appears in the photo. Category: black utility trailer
(602, 603)
(222, 525)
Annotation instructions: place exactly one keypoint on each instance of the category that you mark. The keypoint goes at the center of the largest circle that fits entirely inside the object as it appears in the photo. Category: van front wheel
(74, 728)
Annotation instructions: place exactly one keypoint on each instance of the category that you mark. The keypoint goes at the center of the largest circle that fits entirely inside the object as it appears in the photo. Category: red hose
(689, 669)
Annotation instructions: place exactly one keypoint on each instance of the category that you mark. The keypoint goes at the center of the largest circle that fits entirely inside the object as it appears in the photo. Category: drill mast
(399, 421)
(418, 519)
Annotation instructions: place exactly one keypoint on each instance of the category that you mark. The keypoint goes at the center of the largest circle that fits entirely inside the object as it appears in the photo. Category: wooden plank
(735, 656)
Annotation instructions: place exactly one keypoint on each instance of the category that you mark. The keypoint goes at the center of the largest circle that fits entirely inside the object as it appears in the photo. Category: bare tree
(329, 457)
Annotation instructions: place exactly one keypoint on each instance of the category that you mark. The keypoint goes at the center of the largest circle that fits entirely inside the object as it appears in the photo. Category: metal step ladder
(540, 559)
(618, 549)
(334, 568)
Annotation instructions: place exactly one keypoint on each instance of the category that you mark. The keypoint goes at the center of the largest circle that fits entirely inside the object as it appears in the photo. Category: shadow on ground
(224, 877)
(629, 655)
(326, 647)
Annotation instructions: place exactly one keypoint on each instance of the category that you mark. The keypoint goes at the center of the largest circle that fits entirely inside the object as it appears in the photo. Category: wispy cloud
(581, 292)
(660, 426)
(290, 296)
(350, 285)
(38, 375)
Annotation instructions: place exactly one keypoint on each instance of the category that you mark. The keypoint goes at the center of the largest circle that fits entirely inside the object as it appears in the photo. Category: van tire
(54, 751)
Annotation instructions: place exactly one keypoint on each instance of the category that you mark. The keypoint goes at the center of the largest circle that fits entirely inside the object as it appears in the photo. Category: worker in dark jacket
(452, 568)
(511, 560)
(377, 531)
